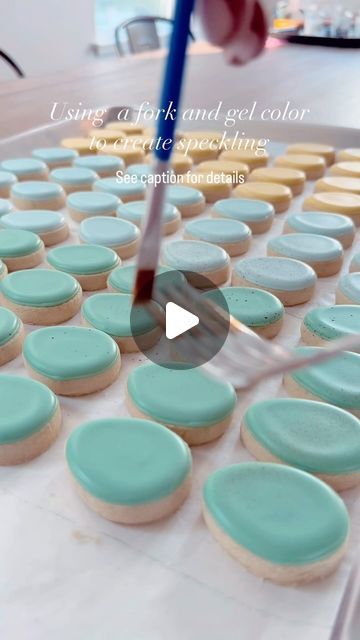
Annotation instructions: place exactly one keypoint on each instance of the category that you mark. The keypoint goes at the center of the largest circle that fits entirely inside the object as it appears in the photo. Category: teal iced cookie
(120, 235)
(336, 381)
(141, 170)
(123, 189)
(325, 255)
(189, 402)
(355, 263)
(7, 180)
(232, 235)
(348, 289)
(74, 178)
(333, 225)
(20, 249)
(5, 207)
(188, 200)
(26, 168)
(34, 194)
(3, 270)
(55, 156)
(257, 309)
(281, 523)
(11, 335)
(29, 419)
(136, 211)
(72, 360)
(122, 280)
(329, 323)
(104, 166)
(90, 264)
(257, 214)
(49, 225)
(196, 257)
(127, 470)
(86, 204)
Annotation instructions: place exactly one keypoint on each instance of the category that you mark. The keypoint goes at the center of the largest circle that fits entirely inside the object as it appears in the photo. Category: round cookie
(338, 183)
(126, 191)
(352, 155)
(313, 166)
(333, 225)
(122, 279)
(135, 212)
(355, 263)
(129, 471)
(55, 157)
(120, 235)
(90, 264)
(325, 255)
(278, 195)
(335, 202)
(291, 178)
(313, 149)
(113, 313)
(72, 361)
(104, 166)
(236, 170)
(292, 281)
(180, 163)
(197, 407)
(26, 168)
(11, 335)
(257, 309)
(38, 195)
(106, 135)
(74, 179)
(347, 169)
(50, 226)
(198, 257)
(3, 270)
(41, 296)
(30, 419)
(249, 157)
(86, 204)
(188, 200)
(82, 146)
(20, 249)
(257, 214)
(348, 289)
(305, 434)
(213, 186)
(329, 323)
(198, 151)
(7, 180)
(5, 207)
(141, 171)
(129, 128)
(130, 154)
(232, 235)
(206, 135)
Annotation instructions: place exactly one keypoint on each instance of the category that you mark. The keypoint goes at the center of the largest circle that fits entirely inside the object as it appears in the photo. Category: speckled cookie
(11, 335)
(120, 235)
(87, 204)
(232, 235)
(50, 226)
(135, 212)
(196, 257)
(257, 214)
(333, 225)
(329, 323)
(325, 255)
(20, 249)
(38, 195)
(90, 264)
(278, 195)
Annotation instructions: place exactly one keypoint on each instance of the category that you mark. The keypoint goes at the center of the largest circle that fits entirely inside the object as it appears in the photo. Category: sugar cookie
(104, 166)
(26, 168)
(333, 225)
(335, 202)
(7, 180)
(126, 191)
(20, 249)
(205, 134)
(347, 169)
(180, 163)
(122, 279)
(72, 361)
(188, 200)
(257, 214)
(113, 314)
(329, 323)
(237, 170)
(348, 154)
(81, 145)
(86, 204)
(141, 170)
(325, 255)
(355, 262)
(197, 407)
(250, 157)
(11, 335)
(90, 264)
(38, 195)
(5, 207)
(74, 179)
(213, 186)
(198, 257)
(257, 309)
(276, 194)
(313, 166)
(120, 235)
(232, 235)
(348, 289)
(135, 212)
(129, 154)
(50, 226)
(282, 430)
(30, 419)
(292, 178)
(338, 183)
(129, 471)
(125, 126)
(3, 270)
(41, 296)
(55, 157)
(292, 281)
(107, 135)
(198, 151)
(313, 149)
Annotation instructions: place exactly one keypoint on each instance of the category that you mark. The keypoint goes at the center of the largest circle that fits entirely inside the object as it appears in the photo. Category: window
(110, 13)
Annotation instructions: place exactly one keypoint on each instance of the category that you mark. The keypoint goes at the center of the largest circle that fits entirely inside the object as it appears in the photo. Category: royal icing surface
(83, 259)
(282, 274)
(216, 230)
(135, 211)
(253, 307)
(113, 313)
(349, 285)
(92, 203)
(243, 209)
(100, 163)
(17, 242)
(309, 247)
(120, 188)
(39, 287)
(9, 325)
(194, 255)
(108, 231)
(73, 176)
(35, 221)
(329, 323)
(36, 190)
(328, 224)
(21, 167)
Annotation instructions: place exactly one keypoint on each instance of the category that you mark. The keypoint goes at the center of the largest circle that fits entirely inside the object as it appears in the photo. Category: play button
(178, 320)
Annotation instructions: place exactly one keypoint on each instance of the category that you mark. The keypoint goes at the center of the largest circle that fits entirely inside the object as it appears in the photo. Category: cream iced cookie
(282, 430)
(292, 281)
(126, 191)
(129, 153)
(278, 195)
(113, 313)
(20, 249)
(188, 200)
(37, 195)
(72, 361)
(104, 166)
(122, 279)
(3, 270)
(257, 309)
(257, 214)
(333, 225)
(7, 180)
(87, 204)
(197, 407)
(196, 257)
(130, 128)
(26, 168)
(41, 296)
(355, 263)
(90, 264)
(213, 186)
(256, 511)
(129, 471)
(250, 157)
(352, 155)
(82, 146)
(107, 135)
(232, 235)
(74, 179)
(206, 135)
(120, 235)
(338, 183)
(325, 255)
(198, 151)
(291, 178)
(329, 323)
(313, 166)
(50, 226)
(5, 207)
(236, 170)
(313, 149)
(180, 163)
(335, 202)
(347, 169)
(135, 212)
(348, 289)
(11, 335)
(30, 419)
(55, 157)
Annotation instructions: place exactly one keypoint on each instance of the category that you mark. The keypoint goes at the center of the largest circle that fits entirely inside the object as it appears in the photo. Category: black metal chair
(141, 33)
(11, 62)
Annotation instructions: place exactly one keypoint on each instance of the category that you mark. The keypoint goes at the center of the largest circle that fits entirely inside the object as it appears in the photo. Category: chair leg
(12, 64)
